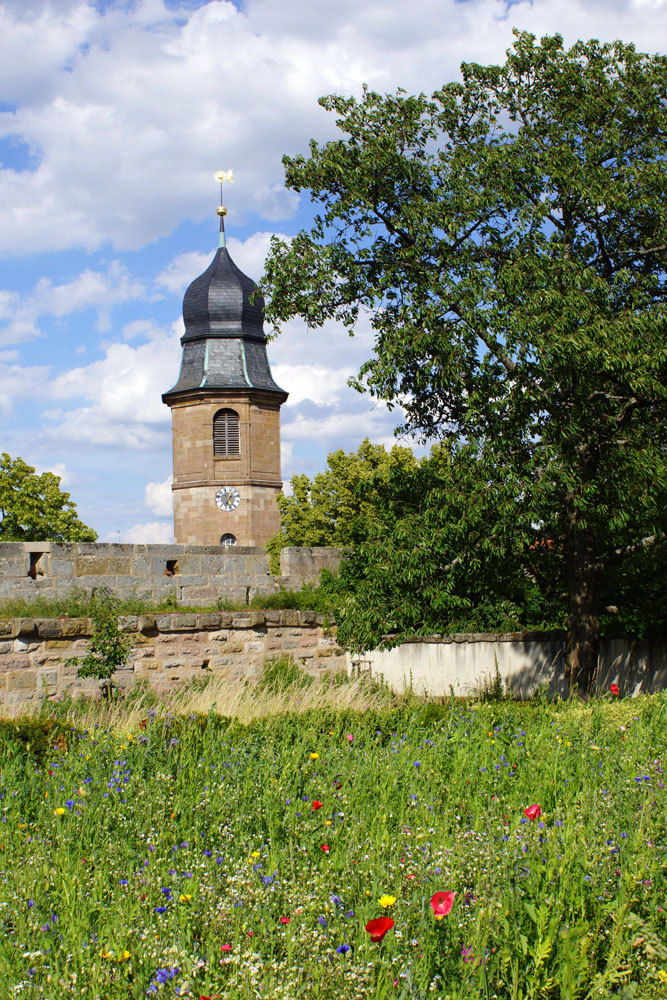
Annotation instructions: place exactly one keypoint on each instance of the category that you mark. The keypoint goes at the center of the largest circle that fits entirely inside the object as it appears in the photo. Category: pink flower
(226, 947)
(533, 812)
(378, 928)
(614, 690)
(441, 904)
(349, 737)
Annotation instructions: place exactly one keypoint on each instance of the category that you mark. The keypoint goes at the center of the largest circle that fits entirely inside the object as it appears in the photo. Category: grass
(78, 603)
(235, 841)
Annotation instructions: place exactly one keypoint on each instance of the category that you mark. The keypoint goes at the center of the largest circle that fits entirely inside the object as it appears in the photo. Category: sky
(114, 117)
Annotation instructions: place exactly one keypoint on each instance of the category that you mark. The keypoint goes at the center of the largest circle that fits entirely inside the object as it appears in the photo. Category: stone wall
(193, 574)
(168, 650)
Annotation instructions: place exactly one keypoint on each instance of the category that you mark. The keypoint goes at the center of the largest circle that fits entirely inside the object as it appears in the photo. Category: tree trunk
(583, 622)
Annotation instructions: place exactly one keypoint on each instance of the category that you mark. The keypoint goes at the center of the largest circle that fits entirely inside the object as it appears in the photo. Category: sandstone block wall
(168, 650)
(193, 574)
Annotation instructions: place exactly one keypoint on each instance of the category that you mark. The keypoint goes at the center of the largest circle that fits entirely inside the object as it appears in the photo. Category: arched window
(226, 433)
(228, 539)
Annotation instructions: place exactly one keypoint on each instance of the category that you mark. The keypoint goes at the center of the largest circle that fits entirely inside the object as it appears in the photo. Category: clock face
(227, 498)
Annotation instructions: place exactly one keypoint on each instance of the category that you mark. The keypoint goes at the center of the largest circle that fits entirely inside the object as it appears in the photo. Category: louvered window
(226, 433)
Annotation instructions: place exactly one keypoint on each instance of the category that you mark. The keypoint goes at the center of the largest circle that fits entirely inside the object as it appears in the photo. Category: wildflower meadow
(465, 849)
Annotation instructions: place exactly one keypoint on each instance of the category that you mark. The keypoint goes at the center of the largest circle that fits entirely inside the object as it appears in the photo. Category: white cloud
(129, 111)
(312, 381)
(159, 498)
(122, 395)
(182, 270)
(18, 382)
(151, 533)
(100, 290)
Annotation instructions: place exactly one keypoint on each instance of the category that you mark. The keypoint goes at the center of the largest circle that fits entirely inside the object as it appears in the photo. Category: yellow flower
(184, 897)
(106, 954)
(387, 900)
(59, 811)
(662, 975)
(327, 822)
(255, 854)
(124, 956)
(314, 756)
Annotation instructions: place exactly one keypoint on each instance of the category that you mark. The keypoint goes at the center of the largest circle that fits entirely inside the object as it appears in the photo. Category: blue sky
(114, 116)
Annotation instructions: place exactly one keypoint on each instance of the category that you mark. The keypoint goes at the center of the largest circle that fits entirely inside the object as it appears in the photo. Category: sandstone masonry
(168, 650)
(192, 574)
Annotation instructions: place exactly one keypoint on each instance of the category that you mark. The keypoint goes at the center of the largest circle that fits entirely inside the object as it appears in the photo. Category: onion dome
(224, 344)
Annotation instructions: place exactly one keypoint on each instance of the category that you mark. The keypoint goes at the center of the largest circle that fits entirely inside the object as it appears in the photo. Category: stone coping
(63, 628)
(57, 628)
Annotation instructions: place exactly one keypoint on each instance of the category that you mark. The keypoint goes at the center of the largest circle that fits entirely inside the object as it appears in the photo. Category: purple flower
(343, 949)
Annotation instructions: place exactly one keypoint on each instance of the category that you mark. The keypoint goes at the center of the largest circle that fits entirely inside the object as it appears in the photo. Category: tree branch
(628, 550)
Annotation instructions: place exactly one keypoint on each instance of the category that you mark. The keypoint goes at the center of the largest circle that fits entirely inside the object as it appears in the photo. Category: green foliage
(34, 508)
(442, 561)
(508, 238)
(109, 648)
(415, 800)
(338, 506)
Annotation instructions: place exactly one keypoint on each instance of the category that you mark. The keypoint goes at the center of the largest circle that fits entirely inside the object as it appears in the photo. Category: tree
(338, 505)
(403, 579)
(508, 237)
(34, 508)
(109, 649)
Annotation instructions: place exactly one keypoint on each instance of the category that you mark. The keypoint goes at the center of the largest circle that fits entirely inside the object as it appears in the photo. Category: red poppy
(614, 690)
(441, 903)
(284, 920)
(532, 812)
(325, 848)
(317, 804)
(226, 947)
(378, 928)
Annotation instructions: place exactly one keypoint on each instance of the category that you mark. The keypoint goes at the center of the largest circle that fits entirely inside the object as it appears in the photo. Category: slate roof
(224, 344)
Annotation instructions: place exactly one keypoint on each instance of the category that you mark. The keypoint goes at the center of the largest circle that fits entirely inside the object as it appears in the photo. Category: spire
(224, 344)
(222, 176)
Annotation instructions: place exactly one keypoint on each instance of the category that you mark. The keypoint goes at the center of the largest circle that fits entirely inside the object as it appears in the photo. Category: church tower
(225, 412)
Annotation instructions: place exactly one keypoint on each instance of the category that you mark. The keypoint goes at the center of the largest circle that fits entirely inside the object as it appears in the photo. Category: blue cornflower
(343, 949)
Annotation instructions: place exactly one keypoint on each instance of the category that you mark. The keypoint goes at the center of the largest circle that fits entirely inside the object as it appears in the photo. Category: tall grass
(235, 841)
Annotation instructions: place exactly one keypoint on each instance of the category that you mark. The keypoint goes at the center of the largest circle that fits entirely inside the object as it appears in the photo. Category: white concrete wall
(463, 665)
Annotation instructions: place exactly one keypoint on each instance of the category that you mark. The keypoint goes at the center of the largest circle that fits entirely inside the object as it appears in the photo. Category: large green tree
(340, 505)
(34, 508)
(508, 238)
